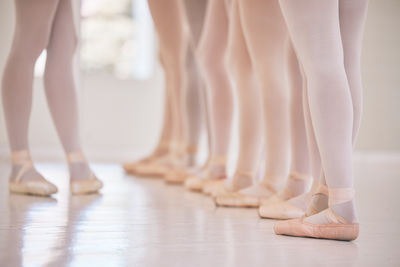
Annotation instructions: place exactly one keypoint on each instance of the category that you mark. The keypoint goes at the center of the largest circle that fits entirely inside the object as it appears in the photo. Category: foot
(339, 221)
(82, 179)
(215, 170)
(250, 197)
(25, 179)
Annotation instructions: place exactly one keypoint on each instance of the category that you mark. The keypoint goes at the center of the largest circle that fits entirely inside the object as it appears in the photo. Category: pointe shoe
(283, 210)
(176, 176)
(250, 197)
(196, 183)
(152, 170)
(40, 187)
(90, 185)
(276, 208)
(337, 229)
(230, 185)
(161, 150)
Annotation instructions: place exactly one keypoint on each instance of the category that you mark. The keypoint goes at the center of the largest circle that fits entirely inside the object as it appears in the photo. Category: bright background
(121, 89)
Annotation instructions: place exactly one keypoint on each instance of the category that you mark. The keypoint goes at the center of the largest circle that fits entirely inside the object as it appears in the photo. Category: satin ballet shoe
(152, 170)
(176, 176)
(196, 183)
(161, 150)
(250, 197)
(229, 185)
(40, 187)
(284, 210)
(210, 186)
(89, 185)
(338, 228)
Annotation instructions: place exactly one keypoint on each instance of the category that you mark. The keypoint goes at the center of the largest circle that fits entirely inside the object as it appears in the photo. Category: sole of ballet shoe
(300, 228)
(280, 210)
(35, 188)
(84, 187)
(236, 200)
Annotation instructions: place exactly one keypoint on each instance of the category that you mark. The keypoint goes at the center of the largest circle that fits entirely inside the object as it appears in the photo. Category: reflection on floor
(143, 222)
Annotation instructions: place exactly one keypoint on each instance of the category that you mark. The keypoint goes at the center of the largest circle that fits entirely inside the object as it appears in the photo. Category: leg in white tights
(266, 34)
(250, 104)
(45, 24)
(314, 22)
(211, 55)
(32, 32)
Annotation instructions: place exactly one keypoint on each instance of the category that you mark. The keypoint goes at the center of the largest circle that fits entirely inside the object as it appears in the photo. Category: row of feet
(305, 213)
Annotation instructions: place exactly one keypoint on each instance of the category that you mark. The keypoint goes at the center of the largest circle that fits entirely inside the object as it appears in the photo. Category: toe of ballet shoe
(38, 188)
(151, 170)
(211, 186)
(194, 183)
(289, 227)
(129, 167)
(82, 187)
(237, 200)
(281, 210)
(175, 177)
(298, 227)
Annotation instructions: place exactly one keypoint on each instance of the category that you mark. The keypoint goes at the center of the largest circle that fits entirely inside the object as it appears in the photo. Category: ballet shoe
(152, 170)
(210, 186)
(86, 186)
(90, 185)
(250, 197)
(40, 187)
(161, 150)
(176, 176)
(276, 208)
(338, 228)
(282, 210)
(197, 182)
(230, 185)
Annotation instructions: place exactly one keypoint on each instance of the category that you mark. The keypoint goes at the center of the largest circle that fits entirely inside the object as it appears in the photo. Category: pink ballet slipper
(337, 228)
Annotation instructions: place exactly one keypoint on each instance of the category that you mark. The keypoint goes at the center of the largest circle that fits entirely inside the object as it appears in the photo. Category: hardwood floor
(143, 222)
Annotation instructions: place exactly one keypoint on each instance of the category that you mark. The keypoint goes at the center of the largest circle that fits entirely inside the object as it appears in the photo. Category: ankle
(347, 211)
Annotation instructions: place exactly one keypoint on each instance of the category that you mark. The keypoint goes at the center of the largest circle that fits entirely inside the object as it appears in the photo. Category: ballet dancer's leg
(266, 34)
(169, 20)
(211, 55)
(249, 100)
(61, 92)
(195, 93)
(317, 22)
(32, 32)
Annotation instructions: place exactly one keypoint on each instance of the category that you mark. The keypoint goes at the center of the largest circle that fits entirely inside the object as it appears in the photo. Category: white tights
(43, 24)
(315, 29)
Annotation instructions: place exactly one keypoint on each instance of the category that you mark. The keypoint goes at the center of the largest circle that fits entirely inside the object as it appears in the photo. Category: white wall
(124, 117)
